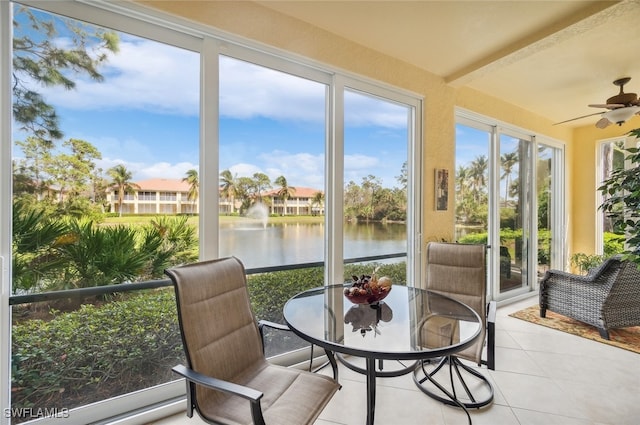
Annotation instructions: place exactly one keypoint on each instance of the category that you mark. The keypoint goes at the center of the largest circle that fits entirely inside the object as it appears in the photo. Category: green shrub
(95, 352)
(270, 291)
(613, 244)
(102, 351)
(585, 262)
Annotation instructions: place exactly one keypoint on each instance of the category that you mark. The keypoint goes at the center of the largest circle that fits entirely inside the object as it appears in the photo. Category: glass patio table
(409, 324)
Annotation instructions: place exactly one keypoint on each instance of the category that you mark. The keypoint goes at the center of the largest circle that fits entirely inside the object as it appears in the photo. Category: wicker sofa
(607, 298)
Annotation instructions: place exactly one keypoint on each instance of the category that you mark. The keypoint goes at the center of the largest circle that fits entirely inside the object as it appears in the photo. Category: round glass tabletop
(410, 323)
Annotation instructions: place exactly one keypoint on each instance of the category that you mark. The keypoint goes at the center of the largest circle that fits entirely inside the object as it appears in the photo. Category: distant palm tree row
(81, 189)
(472, 191)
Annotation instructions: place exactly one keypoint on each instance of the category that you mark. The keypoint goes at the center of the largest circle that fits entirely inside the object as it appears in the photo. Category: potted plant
(622, 201)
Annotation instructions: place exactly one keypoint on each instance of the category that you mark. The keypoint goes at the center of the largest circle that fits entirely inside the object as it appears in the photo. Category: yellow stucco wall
(266, 26)
(583, 170)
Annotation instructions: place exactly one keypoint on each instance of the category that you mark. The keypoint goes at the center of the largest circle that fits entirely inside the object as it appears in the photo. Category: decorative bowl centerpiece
(368, 289)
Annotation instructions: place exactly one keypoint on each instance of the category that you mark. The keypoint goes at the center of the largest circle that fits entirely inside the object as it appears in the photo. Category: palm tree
(508, 161)
(194, 185)
(317, 200)
(261, 182)
(229, 187)
(477, 174)
(121, 178)
(285, 191)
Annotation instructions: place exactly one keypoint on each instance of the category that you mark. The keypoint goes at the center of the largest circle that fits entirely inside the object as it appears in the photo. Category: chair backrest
(219, 331)
(459, 271)
(625, 290)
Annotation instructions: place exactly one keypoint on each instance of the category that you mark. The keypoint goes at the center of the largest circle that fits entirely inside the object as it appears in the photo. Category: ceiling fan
(620, 107)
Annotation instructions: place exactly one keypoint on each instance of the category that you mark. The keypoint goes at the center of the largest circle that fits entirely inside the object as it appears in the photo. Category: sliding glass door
(509, 196)
(515, 210)
(550, 207)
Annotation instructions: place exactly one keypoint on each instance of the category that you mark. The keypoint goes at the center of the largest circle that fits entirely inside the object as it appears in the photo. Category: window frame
(627, 142)
(209, 43)
(497, 128)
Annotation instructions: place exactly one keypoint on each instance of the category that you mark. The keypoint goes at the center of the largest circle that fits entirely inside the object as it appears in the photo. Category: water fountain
(259, 212)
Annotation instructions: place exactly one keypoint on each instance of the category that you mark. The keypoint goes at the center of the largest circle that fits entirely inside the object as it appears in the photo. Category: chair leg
(604, 334)
(491, 346)
(457, 392)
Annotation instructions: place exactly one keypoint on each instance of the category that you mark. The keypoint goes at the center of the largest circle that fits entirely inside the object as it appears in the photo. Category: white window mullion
(209, 149)
(334, 195)
(414, 196)
(493, 238)
(5, 205)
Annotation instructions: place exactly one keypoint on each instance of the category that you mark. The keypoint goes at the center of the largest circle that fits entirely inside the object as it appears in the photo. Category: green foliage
(585, 262)
(100, 256)
(613, 244)
(36, 239)
(55, 254)
(269, 291)
(371, 201)
(396, 271)
(169, 241)
(622, 201)
(510, 237)
(101, 351)
(38, 60)
(474, 238)
(95, 352)
(544, 246)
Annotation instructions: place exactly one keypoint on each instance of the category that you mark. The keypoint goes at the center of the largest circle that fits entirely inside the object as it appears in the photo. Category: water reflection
(292, 243)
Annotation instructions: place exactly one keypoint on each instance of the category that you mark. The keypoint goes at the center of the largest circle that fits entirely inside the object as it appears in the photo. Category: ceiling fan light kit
(621, 115)
(620, 107)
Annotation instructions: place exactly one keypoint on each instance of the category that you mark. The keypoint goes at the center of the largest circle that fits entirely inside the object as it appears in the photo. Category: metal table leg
(371, 390)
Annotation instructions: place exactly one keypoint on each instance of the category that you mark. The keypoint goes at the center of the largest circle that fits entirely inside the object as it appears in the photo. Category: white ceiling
(550, 57)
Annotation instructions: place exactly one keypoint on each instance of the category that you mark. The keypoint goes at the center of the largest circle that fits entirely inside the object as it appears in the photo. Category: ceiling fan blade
(603, 123)
(578, 118)
(606, 105)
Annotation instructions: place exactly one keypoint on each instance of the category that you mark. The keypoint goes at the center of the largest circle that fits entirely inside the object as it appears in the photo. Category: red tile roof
(300, 192)
(163, 185)
(176, 185)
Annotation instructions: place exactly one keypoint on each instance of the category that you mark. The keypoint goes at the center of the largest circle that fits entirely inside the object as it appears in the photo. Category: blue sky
(145, 116)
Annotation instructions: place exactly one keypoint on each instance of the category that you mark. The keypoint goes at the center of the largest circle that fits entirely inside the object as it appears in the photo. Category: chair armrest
(274, 325)
(551, 275)
(266, 323)
(218, 384)
(491, 335)
(491, 311)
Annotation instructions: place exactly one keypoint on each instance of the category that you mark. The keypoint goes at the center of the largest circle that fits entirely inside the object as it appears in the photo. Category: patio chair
(459, 271)
(608, 297)
(228, 378)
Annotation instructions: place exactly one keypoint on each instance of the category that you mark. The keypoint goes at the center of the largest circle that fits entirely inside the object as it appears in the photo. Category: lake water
(280, 244)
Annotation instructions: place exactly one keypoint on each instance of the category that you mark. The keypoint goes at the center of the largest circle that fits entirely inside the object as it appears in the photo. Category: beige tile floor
(542, 377)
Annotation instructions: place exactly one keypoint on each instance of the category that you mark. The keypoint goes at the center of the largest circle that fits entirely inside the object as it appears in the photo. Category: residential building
(171, 196)
(154, 196)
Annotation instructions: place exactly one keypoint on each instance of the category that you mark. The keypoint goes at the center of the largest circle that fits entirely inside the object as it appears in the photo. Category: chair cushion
(291, 397)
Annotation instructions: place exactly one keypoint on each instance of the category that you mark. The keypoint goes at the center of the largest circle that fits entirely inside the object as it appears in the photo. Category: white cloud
(362, 110)
(248, 91)
(155, 77)
(150, 76)
(144, 75)
(166, 170)
(244, 170)
(300, 169)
